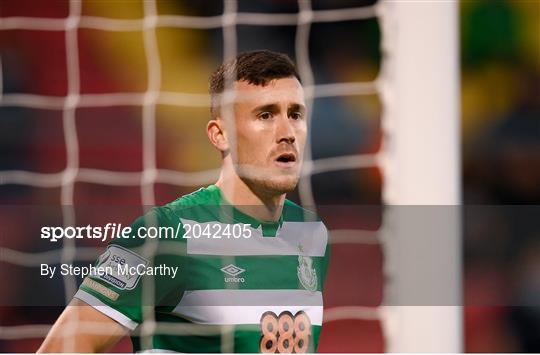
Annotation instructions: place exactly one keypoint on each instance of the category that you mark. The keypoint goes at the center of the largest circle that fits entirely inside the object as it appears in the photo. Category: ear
(216, 134)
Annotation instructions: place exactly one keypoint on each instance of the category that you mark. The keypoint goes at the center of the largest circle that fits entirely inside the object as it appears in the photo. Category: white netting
(150, 174)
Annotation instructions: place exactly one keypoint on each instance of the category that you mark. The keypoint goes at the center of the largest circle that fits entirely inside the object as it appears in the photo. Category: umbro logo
(233, 271)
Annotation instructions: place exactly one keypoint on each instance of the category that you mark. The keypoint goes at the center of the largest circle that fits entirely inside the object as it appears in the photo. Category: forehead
(287, 90)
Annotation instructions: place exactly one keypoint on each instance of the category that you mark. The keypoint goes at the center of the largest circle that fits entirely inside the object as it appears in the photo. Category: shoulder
(204, 195)
(295, 213)
(190, 204)
(306, 222)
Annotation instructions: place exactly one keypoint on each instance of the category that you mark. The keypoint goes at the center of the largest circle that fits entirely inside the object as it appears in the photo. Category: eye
(265, 115)
(295, 115)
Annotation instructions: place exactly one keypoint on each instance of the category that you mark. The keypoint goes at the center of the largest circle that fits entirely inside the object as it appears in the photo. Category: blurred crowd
(500, 44)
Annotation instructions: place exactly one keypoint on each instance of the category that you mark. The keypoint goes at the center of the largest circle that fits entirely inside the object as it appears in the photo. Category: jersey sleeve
(326, 263)
(324, 272)
(135, 272)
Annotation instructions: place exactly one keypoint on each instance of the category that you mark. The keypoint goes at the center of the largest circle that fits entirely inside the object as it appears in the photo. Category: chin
(280, 185)
(277, 185)
(268, 181)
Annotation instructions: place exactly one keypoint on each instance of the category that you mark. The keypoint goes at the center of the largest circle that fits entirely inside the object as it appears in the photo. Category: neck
(258, 204)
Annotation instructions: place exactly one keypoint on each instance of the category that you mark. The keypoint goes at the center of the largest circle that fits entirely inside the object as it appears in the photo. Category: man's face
(270, 130)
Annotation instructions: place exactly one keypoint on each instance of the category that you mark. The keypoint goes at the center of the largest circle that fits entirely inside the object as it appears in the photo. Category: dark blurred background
(500, 92)
(500, 58)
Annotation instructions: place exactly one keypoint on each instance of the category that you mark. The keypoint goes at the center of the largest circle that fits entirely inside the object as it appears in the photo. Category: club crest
(306, 273)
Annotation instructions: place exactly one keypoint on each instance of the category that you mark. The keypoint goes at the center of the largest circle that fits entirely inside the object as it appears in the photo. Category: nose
(284, 130)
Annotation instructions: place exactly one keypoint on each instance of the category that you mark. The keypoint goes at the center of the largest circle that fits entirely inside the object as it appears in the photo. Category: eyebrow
(275, 108)
(297, 107)
(268, 107)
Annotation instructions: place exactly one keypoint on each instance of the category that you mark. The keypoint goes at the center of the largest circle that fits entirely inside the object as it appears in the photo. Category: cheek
(301, 135)
(251, 147)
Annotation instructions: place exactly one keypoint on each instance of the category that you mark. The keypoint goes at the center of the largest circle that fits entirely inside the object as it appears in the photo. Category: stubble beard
(266, 181)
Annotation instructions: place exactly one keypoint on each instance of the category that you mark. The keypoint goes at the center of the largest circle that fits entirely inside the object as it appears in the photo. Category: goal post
(421, 166)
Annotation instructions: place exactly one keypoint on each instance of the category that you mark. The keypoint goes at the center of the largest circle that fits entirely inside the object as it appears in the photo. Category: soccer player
(251, 264)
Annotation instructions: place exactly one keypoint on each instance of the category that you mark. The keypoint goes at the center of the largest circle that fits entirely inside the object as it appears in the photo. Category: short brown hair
(256, 67)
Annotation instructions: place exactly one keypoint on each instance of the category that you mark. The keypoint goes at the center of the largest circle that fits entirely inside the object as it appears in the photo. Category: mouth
(286, 160)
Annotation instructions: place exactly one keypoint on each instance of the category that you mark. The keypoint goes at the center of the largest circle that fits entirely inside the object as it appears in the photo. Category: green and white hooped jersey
(241, 285)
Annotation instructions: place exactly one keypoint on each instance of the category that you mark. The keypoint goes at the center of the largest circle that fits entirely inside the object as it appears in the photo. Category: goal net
(417, 157)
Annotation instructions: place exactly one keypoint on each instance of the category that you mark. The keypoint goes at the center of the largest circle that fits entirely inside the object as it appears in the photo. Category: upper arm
(108, 305)
(82, 328)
